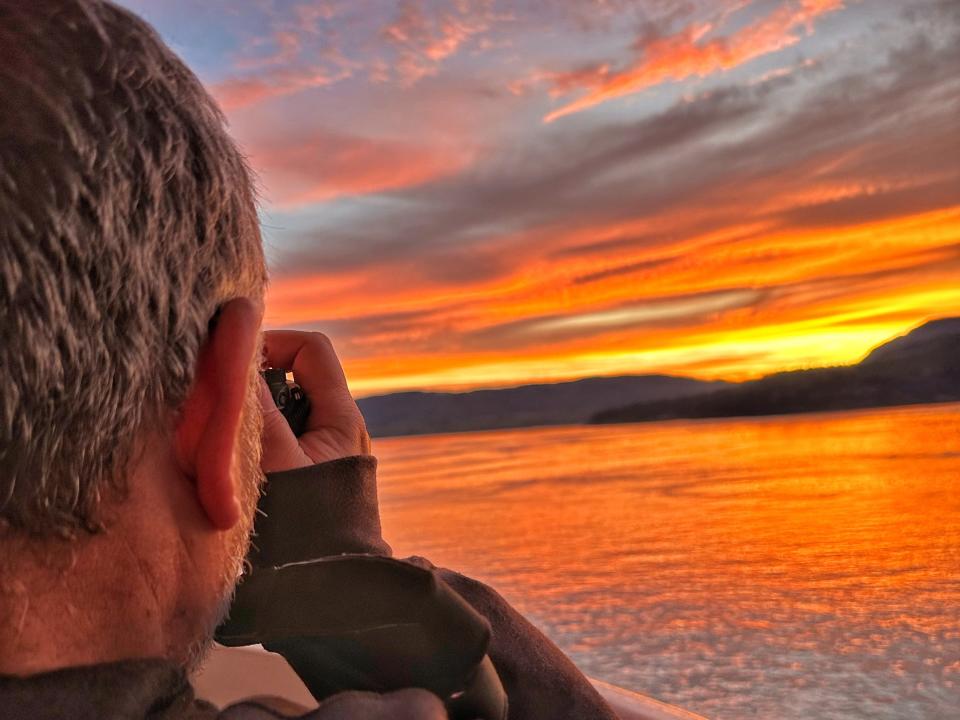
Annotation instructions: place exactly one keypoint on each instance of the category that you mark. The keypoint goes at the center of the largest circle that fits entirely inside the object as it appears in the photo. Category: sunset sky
(478, 192)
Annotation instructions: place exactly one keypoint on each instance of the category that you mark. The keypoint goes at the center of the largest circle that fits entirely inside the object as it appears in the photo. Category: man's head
(131, 286)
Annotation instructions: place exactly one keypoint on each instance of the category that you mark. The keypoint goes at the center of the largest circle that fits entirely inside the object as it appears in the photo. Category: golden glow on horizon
(833, 295)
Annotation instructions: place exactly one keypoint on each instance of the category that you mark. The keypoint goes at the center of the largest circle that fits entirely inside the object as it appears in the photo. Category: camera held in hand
(289, 398)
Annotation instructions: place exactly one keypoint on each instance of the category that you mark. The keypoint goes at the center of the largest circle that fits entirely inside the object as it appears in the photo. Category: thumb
(281, 449)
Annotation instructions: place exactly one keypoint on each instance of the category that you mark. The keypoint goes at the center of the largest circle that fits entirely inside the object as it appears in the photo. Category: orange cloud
(684, 55)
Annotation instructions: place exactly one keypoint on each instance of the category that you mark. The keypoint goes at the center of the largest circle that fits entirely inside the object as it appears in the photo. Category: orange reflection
(689, 558)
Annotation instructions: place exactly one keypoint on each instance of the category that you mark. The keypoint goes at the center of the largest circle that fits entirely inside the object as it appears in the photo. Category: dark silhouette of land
(568, 403)
(922, 366)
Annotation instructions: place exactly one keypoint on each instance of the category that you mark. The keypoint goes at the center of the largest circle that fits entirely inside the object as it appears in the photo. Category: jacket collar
(155, 689)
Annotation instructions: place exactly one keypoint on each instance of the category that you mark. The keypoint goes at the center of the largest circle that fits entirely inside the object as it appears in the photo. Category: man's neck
(147, 586)
(80, 602)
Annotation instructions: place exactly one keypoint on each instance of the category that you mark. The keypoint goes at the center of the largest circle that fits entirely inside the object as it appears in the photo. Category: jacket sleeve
(541, 682)
(331, 508)
(319, 511)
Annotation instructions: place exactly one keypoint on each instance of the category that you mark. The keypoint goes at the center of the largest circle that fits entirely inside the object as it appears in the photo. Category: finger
(311, 357)
(420, 562)
(281, 449)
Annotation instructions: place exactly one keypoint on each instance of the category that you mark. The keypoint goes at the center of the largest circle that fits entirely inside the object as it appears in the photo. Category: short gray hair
(127, 217)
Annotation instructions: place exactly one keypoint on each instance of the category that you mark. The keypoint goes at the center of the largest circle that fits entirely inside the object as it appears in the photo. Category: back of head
(127, 217)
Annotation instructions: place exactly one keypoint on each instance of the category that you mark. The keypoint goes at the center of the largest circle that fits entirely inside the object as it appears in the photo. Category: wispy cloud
(235, 93)
(297, 48)
(304, 46)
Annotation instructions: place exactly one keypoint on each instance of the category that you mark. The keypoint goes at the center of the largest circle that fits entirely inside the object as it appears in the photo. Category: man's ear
(209, 420)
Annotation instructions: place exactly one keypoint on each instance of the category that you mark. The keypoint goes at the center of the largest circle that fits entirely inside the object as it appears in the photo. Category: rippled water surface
(790, 567)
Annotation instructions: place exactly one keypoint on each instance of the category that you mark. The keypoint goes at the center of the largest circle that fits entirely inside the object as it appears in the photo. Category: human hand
(335, 427)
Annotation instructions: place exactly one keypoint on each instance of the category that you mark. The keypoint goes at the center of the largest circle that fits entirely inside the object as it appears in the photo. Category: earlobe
(210, 417)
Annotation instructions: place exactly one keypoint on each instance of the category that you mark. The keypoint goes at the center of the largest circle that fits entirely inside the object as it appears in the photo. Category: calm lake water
(789, 567)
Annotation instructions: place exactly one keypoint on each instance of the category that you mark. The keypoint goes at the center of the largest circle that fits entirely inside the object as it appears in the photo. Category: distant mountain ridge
(921, 366)
(918, 342)
(416, 413)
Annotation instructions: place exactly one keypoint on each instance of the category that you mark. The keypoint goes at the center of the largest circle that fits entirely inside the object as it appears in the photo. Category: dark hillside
(922, 366)
(414, 413)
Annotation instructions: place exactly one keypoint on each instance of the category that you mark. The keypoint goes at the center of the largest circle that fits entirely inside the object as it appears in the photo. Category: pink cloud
(326, 165)
(424, 39)
(315, 44)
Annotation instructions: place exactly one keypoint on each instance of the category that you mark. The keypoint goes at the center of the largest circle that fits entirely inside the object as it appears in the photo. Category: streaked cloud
(695, 51)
